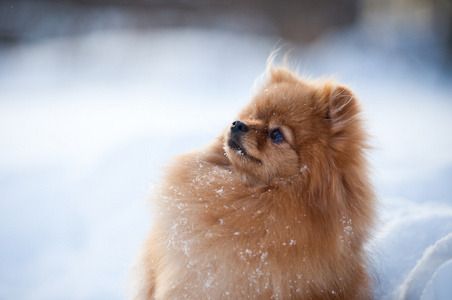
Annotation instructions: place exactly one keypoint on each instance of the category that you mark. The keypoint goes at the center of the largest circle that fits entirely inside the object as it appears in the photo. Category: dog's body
(280, 206)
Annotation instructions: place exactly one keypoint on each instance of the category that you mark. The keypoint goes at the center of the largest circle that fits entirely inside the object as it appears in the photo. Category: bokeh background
(96, 96)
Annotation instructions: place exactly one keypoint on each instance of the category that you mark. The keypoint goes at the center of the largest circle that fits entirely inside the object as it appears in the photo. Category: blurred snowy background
(96, 96)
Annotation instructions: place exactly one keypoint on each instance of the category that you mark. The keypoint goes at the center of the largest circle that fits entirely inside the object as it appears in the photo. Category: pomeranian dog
(279, 206)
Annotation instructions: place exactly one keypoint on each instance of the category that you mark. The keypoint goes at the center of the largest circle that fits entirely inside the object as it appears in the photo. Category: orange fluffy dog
(277, 207)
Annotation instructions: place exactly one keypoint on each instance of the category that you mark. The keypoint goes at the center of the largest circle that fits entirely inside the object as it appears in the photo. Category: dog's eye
(277, 136)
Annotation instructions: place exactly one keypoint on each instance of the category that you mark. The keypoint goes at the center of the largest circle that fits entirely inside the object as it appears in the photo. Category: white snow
(86, 124)
(427, 268)
(439, 286)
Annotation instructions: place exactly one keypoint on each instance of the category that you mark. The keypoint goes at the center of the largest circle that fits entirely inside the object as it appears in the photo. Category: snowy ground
(86, 123)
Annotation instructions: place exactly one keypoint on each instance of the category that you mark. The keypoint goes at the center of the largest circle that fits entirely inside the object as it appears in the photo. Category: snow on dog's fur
(279, 205)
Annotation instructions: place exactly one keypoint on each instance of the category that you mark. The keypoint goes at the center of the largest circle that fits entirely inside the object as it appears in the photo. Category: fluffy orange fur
(285, 219)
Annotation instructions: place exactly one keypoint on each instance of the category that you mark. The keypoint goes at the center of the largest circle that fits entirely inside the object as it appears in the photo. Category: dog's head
(290, 126)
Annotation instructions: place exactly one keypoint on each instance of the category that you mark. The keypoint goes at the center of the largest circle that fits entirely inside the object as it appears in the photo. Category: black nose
(238, 126)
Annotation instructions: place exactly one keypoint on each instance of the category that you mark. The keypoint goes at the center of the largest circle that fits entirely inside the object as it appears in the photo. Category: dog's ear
(341, 102)
(343, 115)
(340, 107)
(280, 74)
